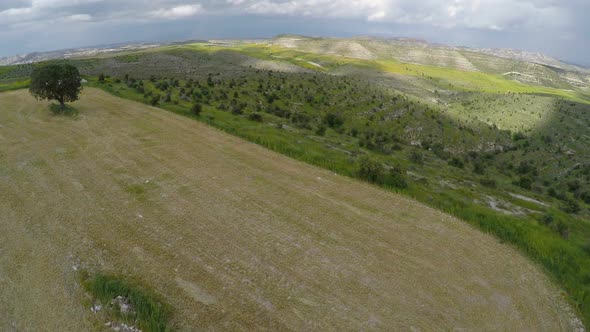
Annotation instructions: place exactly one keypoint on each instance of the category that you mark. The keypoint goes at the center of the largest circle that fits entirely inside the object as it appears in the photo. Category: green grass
(68, 110)
(149, 312)
(14, 85)
(474, 81)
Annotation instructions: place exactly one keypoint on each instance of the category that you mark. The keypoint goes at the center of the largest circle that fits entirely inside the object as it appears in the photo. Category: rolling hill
(232, 235)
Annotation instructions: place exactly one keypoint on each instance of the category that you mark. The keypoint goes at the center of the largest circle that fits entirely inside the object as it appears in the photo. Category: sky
(559, 28)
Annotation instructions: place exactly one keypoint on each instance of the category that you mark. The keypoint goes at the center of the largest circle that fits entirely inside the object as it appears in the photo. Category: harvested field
(233, 236)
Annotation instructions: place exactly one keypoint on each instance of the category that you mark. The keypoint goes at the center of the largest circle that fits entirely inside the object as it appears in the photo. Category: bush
(518, 136)
(561, 228)
(487, 182)
(525, 182)
(570, 205)
(155, 100)
(370, 170)
(255, 117)
(416, 157)
(333, 120)
(237, 109)
(456, 162)
(321, 130)
(197, 109)
(479, 167)
(547, 219)
(398, 175)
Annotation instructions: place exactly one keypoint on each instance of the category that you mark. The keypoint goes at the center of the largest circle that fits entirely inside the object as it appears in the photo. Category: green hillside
(448, 127)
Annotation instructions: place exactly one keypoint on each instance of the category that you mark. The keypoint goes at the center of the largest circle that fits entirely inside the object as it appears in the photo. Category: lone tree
(60, 82)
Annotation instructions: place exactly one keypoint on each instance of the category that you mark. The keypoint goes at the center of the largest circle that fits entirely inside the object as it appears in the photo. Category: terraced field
(233, 236)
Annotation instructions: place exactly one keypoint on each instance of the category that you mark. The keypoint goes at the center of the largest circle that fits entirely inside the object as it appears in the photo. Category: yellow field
(233, 236)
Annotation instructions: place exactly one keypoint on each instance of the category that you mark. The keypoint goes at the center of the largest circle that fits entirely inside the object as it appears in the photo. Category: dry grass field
(233, 236)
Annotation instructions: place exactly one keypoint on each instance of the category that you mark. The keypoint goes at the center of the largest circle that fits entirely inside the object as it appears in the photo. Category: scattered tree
(59, 82)
(370, 170)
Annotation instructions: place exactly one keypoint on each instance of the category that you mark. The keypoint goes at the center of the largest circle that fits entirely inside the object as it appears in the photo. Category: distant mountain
(523, 66)
(73, 53)
(534, 57)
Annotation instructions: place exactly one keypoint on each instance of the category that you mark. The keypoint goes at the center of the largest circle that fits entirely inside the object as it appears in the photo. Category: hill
(233, 236)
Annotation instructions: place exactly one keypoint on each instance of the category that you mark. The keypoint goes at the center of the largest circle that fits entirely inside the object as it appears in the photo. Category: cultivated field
(233, 236)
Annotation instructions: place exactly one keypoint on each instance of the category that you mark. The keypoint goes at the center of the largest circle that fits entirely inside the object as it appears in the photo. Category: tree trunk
(62, 104)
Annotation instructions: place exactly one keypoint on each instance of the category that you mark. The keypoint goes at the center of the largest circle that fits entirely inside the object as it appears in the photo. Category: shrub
(456, 162)
(479, 167)
(255, 117)
(573, 185)
(155, 100)
(398, 175)
(321, 130)
(547, 219)
(561, 228)
(333, 120)
(525, 182)
(197, 109)
(570, 205)
(370, 170)
(487, 182)
(416, 157)
(518, 136)
(236, 109)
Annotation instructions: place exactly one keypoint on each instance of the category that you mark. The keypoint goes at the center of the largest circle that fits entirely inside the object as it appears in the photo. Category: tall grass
(149, 312)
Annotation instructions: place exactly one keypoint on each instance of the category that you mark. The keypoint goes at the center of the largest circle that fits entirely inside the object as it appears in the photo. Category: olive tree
(59, 82)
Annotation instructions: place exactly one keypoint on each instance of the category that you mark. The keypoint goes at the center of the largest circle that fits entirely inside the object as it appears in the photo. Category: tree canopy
(60, 82)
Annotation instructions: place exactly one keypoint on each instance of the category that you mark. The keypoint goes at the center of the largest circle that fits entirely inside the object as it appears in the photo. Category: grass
(564, 259)
(13, 85)
(149, 312)
(233, 235)
(67, 110)
(337, 151)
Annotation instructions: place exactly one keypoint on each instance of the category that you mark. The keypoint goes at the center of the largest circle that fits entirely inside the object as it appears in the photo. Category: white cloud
(79, 17)
(177, 12)
(483, 14)
(480, 14)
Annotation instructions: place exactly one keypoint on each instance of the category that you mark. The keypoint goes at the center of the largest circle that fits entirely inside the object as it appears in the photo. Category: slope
(234, 236)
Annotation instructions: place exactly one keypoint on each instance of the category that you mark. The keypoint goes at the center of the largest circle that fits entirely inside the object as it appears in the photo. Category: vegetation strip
(146, 310)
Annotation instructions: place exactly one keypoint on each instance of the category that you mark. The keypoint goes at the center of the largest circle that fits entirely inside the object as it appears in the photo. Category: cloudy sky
(557, 27)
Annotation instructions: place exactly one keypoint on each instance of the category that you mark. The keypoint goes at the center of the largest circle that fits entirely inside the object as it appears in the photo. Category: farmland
(232, 235)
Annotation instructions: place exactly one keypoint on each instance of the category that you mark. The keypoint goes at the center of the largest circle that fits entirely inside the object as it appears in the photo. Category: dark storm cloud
(555, 27)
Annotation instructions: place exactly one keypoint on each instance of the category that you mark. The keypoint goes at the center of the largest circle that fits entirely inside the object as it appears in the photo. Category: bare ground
(232, 235)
